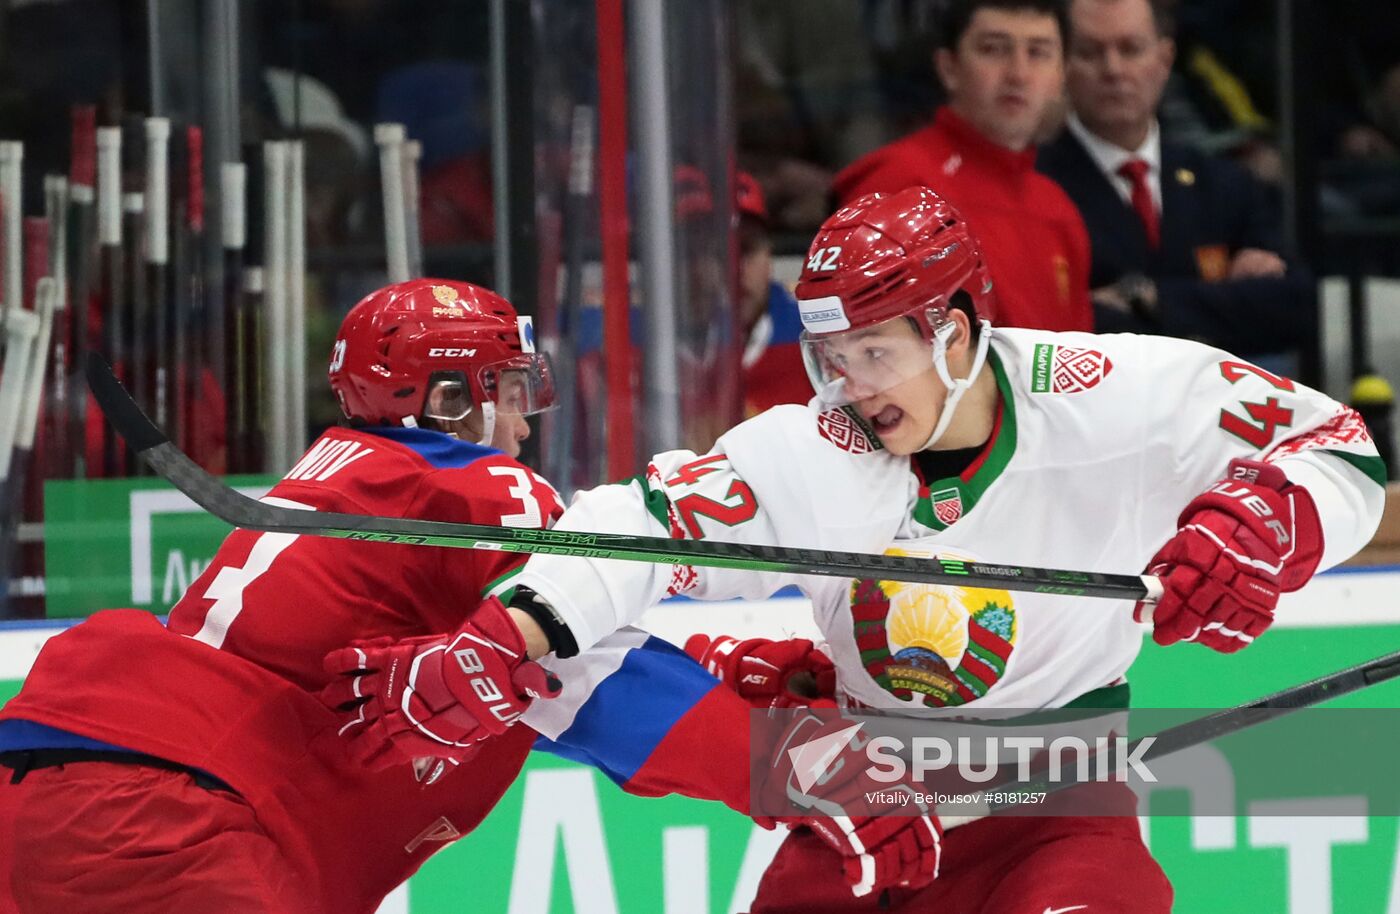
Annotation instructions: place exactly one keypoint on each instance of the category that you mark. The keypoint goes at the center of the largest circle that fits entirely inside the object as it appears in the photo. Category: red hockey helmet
(890, 255)
(399, 341)
(880, 258)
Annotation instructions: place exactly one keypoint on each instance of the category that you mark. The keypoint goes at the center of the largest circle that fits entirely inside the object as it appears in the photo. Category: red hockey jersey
(227, 687)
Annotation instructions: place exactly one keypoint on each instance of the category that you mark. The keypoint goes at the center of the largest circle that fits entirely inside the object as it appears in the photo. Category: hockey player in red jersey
(191, 768)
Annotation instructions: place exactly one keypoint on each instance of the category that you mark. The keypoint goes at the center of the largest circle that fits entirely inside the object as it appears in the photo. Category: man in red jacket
(1002, 64)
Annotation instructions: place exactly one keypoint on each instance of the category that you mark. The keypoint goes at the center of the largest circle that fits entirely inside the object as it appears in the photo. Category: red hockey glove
(435, 696)
(886, 835)
(767, 673)
(1240, 544)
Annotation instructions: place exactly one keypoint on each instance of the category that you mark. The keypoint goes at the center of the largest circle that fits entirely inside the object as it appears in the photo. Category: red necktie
(1135, 170)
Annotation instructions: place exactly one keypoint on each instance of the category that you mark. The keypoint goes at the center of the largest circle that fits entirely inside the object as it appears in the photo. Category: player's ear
(945, 65)
(961, 339)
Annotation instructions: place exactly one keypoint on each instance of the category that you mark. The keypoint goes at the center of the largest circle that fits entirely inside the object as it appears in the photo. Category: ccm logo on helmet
(451, 353)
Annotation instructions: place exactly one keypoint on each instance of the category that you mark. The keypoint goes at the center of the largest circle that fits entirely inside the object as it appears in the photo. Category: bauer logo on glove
(1239, 545)
(407, 703)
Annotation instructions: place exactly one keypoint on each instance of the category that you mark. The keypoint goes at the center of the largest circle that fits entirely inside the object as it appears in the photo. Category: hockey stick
(240, 511)
(1201, 731)
(1229, 720)
(56, 407)
(12, 217)
(80, 267)
(158, 308)
(19, 490)
(412, 195)
(390, 139)
(111, 274)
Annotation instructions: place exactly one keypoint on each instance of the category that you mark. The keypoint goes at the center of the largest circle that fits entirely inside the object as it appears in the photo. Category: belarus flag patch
(1066, 369)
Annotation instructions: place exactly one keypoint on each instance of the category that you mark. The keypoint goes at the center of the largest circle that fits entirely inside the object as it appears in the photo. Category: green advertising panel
(126, 542)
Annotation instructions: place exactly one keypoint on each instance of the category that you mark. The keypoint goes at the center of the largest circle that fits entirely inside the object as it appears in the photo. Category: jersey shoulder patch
(843, 427)
(1056, 368)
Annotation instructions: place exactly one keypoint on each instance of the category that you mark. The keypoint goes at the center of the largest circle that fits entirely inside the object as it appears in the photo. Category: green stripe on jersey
(657, 504)
(501, 584)
(1373, 467)
(998, 456)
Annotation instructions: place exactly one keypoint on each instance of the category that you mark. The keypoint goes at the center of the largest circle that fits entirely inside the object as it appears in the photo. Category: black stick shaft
(217, 498)
(82, 170)
(1241, 717)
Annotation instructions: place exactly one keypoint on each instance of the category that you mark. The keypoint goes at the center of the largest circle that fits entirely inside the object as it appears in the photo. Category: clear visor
(858, 364)
(519, 386)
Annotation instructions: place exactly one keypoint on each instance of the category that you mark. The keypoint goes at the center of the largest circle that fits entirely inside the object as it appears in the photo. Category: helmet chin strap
(488, 422)
(957, 388)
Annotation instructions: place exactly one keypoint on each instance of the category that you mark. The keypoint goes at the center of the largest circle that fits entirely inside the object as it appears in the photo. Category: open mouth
(886, 419)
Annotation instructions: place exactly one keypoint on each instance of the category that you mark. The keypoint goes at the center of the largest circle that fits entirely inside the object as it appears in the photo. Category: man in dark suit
(1183, 243)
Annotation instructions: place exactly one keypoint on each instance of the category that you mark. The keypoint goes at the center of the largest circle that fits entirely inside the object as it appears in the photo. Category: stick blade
(121, 411)
(151, 445)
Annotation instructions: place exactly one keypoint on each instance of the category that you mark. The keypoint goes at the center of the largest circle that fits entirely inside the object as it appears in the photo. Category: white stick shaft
(158, 190)
(56, 196)
(12, 199)
(109, 186)
(233, 201)
(45, 302)
(390, 139)
(274, 325)
(296, 299)
(21, 329)
(413, 221)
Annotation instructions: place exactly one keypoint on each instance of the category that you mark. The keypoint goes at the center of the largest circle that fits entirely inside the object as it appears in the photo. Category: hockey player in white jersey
(1114, 454)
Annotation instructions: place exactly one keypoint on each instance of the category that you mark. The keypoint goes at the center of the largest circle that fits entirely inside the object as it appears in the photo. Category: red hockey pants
(102, 837)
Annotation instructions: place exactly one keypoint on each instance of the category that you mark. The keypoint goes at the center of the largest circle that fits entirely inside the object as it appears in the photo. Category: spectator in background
(1184, 244)
(768, 316)
(1361, 169)
(806, 101)
(1002, 64)
(444, 104)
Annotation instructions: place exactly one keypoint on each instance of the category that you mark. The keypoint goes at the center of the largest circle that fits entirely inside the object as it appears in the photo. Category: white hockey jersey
(1099, 443)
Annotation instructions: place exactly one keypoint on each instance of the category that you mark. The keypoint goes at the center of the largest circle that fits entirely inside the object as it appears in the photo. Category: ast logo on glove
(767, 673)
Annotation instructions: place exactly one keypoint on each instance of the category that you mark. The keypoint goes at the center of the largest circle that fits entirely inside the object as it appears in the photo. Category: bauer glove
(1241, 543)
